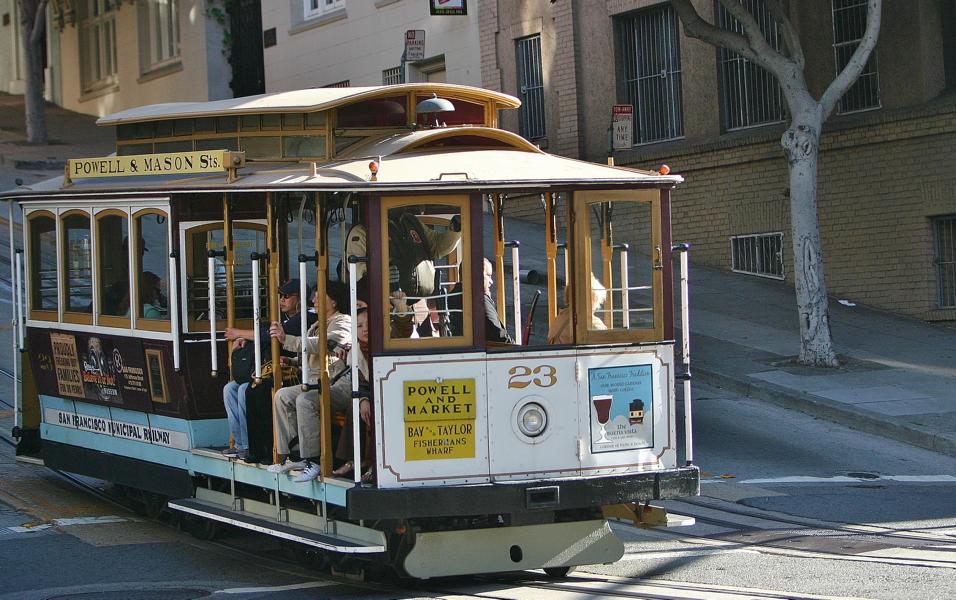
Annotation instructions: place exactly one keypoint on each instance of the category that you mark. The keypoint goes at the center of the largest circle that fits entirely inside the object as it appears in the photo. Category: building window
(944, 229)
(338, 84)
(159, 33)
(650, 57)
(758, 254)
(750, 94)
(849, 25)
(392, 76)
(318, 8)
(97, 34)
(530, 87)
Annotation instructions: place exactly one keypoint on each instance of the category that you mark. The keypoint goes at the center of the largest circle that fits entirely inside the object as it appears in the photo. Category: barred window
(530, 87)
(338, 84)
(97, 31)
(944, 229)
(650, 57)
(392, 76)
(750, 94)
(759, 254)
(849, 25)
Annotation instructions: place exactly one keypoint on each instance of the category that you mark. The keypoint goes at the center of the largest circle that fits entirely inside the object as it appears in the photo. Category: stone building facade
(887, 183)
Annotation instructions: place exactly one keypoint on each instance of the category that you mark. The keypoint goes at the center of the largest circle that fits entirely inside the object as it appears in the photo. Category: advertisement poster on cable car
(93, 367)
(621, 408)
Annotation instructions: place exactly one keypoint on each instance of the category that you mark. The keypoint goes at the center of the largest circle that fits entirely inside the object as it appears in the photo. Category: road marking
(29, 528)
(842, 479)
(278, 588)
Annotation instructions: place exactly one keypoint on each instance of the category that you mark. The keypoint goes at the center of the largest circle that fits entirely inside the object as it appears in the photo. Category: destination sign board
(170, 163)
(439, 419)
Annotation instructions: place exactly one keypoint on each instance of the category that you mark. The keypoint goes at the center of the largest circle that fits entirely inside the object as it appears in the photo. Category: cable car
(508, 432)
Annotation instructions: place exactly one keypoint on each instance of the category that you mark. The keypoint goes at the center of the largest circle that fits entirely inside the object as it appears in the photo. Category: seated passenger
(234, 392)
(151, 295)
(297, 412)
(562, 329)
(345, 451)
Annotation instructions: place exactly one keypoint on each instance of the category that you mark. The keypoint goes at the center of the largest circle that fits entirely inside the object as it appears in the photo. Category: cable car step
(286, 531)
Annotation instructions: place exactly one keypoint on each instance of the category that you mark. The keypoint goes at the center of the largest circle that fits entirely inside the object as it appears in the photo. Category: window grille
(530, 87)
(759, 254)
(751, 95)
(317, 8)
(849, 25)
(97, 44)
(392, 76)
(944, 229)
(650, 56)
(159, 33)
(344, 83)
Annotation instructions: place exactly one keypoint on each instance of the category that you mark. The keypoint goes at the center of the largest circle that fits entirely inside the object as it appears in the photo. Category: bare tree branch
(790, 36)
(857, 62)
(753, 47)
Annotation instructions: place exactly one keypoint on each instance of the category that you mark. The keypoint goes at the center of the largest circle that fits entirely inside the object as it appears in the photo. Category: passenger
(562, 330)
(234, 392)
(151, 295)
(116, 299)
(495, 330)
(344, 451)
(297, 411)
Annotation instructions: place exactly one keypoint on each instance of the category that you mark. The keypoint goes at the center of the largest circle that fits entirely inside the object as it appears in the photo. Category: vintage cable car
(135, 266)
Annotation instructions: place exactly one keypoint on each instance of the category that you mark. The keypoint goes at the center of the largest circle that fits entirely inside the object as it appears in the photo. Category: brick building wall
(882, 177)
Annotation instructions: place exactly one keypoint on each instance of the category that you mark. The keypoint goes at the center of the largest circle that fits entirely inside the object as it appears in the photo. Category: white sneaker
(310, 472)
(287, 466)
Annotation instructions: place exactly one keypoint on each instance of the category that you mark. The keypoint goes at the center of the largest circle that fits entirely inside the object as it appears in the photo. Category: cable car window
(246, 239)
(112, 261)
(426, 272)
(619, 281)
(380, 112)
(151, 269)
(78, 266)
(44, 295)
(465, 113)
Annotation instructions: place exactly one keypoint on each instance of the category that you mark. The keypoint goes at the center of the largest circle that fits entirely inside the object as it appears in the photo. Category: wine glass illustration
(602, 404)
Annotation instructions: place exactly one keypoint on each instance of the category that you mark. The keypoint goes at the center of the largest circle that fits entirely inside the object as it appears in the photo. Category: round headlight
(532, 419)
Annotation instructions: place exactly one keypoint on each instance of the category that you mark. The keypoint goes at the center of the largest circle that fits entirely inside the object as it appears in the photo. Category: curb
(824, 408)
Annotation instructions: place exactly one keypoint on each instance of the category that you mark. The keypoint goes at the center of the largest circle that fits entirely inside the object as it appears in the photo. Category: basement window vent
(759, 254)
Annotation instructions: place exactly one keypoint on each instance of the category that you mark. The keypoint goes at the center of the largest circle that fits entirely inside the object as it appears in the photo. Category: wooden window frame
(581, 289)
(36, 313)
(463, 203)
(68, 316)
(101, 319)
(136, 271)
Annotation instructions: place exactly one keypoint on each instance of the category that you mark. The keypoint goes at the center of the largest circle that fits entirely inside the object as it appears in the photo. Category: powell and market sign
(171, 163)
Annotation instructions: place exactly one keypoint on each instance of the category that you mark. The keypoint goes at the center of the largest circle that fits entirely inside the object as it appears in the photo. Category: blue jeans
(234, 397)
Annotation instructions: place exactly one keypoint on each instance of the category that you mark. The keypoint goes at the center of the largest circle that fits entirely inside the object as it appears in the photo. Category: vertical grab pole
(211, 288)
(551, 249)
(353, 359)
(229, 259)
(625, 285)
(174, 307)
(304, 316)
(18, 304)
(257, 317)
(684, 250)
(17, 339)
(516, 287)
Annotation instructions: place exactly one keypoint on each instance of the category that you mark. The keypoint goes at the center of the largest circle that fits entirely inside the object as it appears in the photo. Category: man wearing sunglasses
(234, 392)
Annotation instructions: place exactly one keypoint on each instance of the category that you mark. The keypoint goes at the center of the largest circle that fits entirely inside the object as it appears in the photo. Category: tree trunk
(801, 142)
(33, 41)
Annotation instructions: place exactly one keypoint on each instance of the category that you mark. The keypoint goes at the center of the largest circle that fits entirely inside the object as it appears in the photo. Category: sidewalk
(899, 376)
(71, 135)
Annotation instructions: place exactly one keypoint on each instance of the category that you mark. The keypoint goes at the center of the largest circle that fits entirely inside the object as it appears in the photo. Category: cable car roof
(308, 100)
(441, 158)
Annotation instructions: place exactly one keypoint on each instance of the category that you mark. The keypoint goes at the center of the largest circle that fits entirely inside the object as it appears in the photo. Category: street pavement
(897, 378)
